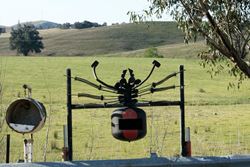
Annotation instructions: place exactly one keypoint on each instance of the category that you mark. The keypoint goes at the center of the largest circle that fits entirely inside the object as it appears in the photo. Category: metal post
(8, 148)
(69, 114)
(182, 108)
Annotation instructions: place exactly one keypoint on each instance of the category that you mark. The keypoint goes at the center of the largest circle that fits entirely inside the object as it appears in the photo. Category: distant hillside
(104, 40)
(42, 24)
(45, 24)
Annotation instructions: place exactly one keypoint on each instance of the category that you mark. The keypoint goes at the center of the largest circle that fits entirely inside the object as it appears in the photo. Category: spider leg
(94, 65)
(154, 84)
(112, 102)
(152, 90)
(86, 82)
(101, 97)
(145, 86)
(99, 87)
(155, 64)
(163, 88)
(90, 96)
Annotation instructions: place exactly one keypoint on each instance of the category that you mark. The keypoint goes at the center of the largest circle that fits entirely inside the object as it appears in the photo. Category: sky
(61, 11)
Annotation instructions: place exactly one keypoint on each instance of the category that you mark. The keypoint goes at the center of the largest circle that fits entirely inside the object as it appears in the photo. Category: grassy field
(218, 117)
(103, 40)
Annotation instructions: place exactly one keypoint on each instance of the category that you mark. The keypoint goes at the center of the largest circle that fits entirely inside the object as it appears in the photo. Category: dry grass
(103, 40)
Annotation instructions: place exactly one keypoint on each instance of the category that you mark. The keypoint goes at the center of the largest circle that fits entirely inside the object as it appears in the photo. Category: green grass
(179, 50)
(218, 117)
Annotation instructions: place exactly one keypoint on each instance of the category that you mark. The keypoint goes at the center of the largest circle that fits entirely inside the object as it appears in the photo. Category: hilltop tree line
(2, 30)
(81, 25)
(25, 38)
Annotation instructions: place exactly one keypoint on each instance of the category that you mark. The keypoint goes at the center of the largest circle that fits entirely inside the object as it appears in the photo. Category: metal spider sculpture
(127, 90)
(128, 122)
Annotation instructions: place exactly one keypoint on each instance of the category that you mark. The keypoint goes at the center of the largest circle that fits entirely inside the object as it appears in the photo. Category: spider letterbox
(128, 121)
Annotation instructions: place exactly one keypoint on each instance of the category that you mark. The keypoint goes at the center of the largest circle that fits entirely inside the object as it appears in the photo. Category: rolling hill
(110, 40)
(42, 24)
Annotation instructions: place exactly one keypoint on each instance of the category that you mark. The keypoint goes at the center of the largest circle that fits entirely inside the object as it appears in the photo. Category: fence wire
(211, 135)
(2, 149)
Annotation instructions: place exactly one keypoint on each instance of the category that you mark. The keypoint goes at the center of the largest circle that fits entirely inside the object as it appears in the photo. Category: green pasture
(218, 118)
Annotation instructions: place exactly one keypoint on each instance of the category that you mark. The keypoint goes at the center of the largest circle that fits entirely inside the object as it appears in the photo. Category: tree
(25, 39)
(104, 24)
(65, 26)
(2, 30)
(78, 25)
(225, 25)
(152, 52)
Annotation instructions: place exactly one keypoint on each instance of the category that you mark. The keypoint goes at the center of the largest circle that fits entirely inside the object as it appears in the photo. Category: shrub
(152, 52)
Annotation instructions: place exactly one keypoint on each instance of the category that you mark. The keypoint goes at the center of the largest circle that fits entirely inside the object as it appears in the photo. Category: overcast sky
(61, 11)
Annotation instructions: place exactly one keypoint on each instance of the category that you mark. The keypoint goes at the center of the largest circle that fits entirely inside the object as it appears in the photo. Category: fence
(2, 149)
(5, 149)
(215, 130)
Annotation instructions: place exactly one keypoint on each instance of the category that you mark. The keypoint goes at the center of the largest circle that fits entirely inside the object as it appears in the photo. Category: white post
(188, 142)
(187, 134)
(28, 149)
(65, 149)
(30, 155)
(65, 136)
(25, 150)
